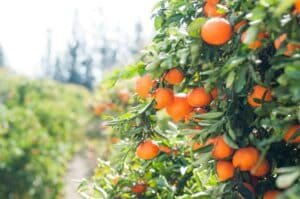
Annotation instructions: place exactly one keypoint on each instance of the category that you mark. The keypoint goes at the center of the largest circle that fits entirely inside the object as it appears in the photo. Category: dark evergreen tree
(2, 58)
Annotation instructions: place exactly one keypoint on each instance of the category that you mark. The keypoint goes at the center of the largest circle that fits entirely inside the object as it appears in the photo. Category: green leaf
(194, 28)
(230, 141)
(230, 79)
(153, 65)
(158, 22)
(293, 72)
(211, 115)
(286, 180)
(251, 34)
(284, 6)
(204, 149)
(240, 79)
(231, 133)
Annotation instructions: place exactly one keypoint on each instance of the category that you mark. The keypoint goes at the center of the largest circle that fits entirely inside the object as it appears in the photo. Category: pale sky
(24, 25)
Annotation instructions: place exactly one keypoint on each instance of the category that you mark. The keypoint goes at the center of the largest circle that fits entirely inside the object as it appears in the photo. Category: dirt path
(83, 164)
(79, 168)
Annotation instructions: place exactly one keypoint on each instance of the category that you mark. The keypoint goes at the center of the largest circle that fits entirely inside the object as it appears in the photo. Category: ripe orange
(297, 6)
(214, 93)
(221, 150)
(110, 106)
(212, 1)
(179, 108)
(196, 146)
(261, 170)
(258, 93)
(98, 109)
(139, 188)
(245, 158)
(255, 44)
(163, 97)
(165, 149)
(225, 170)
(144, 85)
(272, 194)
(290, 48)
(216, 31)
(198, 97)
(239, 25)
(210, 10)
(124, 96)
(290, 132)
(174, 76)
(114, 140)
(279, 40)
(147, 150)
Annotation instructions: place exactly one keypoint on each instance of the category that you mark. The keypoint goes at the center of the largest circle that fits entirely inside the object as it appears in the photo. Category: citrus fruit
(254, 44)
(245, 158)
(290, 132)
(124, 96)
(210, 10)
(216, 31)
(198, 97)
(174, 76)
(290, 48)
(179, 108)
(212, 1)
(147, 150)
(139, 188)
(98, 109)
(261, 170)
(225, 170)
(297, 6)
(214, 93)
(279, 40)
(272, 194)
(144, 85)
(258, 93)
(239, 25)
(163, 97)
(165, 149)
(196, 146)
(221, 149)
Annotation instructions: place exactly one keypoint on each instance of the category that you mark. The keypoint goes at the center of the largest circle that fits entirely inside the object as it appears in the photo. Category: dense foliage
(219, 106)
(40, 126)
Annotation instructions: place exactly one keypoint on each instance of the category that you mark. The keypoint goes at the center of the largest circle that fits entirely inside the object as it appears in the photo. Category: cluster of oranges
(246, 159)
(178, 106)
(215, 31)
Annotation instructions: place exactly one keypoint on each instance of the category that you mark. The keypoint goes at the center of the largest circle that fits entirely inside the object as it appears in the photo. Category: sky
(24, 25)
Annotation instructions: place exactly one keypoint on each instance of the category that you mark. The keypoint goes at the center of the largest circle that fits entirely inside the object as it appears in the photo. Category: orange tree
(219, 106)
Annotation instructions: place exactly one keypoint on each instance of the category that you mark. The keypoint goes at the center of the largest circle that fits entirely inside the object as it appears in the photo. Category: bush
(41, 123)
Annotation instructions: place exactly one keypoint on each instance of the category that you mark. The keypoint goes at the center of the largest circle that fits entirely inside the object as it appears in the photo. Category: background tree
(2, 58)
(82, 62)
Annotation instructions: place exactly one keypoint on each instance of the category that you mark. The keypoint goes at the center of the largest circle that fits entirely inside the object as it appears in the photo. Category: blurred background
(72, 40)
(53, 56)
